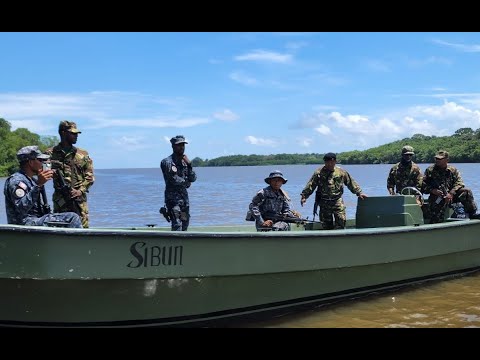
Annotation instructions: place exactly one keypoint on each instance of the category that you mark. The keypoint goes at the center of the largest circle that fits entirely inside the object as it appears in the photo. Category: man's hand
(75, 193)
(362, 196)
(44, 176)
(391, 191)
(436, 192)
(187, 160)
(303, 200)
(267, 223)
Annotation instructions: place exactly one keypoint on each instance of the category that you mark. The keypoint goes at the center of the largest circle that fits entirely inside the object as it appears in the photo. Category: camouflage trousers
(330, 210)
(180, 216)
(60, 205)
(437, 210)
(71, 219)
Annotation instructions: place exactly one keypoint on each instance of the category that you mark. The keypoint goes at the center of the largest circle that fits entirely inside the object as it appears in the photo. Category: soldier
(445, 185)
(329, 181)
(24, 202)
(74, 173)
(404, 173)
(271, 202)
(178, 175)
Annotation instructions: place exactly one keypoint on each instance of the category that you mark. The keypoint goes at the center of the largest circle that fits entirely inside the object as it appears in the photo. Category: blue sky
(239, 93)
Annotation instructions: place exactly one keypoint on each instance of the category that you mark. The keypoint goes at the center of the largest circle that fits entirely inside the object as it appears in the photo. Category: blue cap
(31, 153)
(275, 174)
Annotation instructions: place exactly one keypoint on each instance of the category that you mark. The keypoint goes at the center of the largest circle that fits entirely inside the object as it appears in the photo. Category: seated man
(270, 204)
(445, 185)
(24, 202)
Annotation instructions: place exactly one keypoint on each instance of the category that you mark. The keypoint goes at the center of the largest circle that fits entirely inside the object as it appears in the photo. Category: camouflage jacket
(267, 201)
(178, 177)
(75, 165)
(403, 175)
(330, 184)
(443, 179)
(22, 198)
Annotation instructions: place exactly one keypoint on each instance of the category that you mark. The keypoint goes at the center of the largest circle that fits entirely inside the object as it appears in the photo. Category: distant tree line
(463, 146)
(12, 141)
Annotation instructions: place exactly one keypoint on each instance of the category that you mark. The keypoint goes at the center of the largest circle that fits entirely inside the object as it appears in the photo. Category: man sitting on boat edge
(270, 204)
(25, 199)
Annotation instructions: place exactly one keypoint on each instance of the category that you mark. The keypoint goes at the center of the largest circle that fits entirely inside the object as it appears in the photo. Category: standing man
(74, 173)
(445, 185)
(178, 175)
(25, 199)
(404, 173)
(271, 203)
(329, 181)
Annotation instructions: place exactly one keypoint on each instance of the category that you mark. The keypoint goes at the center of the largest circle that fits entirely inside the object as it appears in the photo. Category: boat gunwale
(163, 233)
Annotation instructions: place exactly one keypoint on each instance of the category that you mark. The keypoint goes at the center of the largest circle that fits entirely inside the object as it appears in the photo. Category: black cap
(329, 156)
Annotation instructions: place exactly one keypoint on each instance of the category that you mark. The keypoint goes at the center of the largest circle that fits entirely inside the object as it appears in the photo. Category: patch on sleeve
(174, 168)
(19, 193)
(22, 185)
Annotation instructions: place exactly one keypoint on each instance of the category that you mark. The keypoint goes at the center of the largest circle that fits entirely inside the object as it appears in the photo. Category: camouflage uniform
(446, 180)
(23, 204)
(76, 166)
(178, 177)
(404, 175)
(329, 193)
(266, 202)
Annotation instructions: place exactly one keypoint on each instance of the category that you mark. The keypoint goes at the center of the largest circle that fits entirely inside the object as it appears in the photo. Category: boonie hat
(179, 139)
(31, 153)
(329, 156)
(275, 174)
(441, 154)
(69, 126)
(407, 150)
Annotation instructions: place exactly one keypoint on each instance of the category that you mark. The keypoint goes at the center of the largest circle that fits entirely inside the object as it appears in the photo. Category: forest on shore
(463, 146)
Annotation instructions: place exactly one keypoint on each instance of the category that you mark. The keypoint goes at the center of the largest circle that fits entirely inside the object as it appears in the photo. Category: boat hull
(149, 277)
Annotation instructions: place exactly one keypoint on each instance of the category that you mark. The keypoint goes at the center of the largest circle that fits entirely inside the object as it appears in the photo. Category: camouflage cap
(31, 153)
(441, 154)
(407, 150)
(275, 174)
(179, 139)
(69, 126)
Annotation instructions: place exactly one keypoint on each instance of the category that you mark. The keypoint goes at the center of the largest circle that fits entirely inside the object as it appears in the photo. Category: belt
(330, 199)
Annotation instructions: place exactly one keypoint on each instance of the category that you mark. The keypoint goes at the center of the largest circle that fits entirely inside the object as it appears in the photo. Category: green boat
(129, 277)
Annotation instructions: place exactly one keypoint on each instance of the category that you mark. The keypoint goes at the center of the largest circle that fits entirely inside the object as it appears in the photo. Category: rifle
(288, 219)
(66, 189)
(44, 205)
(315, 207)
(444, 191)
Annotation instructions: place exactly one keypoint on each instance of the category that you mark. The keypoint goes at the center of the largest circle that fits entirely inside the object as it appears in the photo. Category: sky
(233, 93)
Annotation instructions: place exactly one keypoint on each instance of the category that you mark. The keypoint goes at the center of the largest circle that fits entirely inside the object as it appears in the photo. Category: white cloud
(428, 61)
(304, 142)
(457, 46)
(323, 129)
(242, 78)
(225, 115)
(260, 141)
(265, 56)
(41, 112)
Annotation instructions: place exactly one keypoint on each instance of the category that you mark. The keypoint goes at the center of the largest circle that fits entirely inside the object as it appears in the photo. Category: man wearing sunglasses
(24, 202)
(404, 173)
